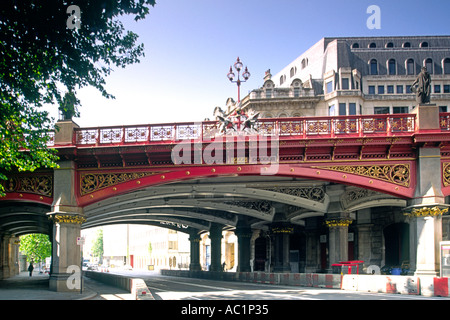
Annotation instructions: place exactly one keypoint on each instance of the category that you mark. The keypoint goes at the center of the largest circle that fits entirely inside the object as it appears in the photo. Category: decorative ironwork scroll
(399, 174)
(446, 174)
(91, 182)
(310, 193)
(41, 184)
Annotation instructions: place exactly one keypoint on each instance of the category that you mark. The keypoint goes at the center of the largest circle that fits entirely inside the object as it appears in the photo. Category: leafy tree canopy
(97, 247)
(36, 247)
(44, 60)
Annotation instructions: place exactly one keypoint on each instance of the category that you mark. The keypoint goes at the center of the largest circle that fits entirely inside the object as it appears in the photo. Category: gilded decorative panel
(41, 184)
(399, 174)
(91, 182)
(446, 174)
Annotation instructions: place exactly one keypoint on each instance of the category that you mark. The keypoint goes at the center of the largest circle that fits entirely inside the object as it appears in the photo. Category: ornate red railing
(300, 128)
(444, 121)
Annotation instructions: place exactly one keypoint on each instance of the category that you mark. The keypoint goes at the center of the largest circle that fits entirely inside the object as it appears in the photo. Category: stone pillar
(14, 256)
(426, 228)
(67, 218)
(4, 256)
(195, 239)
(65, 251)
(244, 235)
(428, 205)
(215, 234)
(338, 239)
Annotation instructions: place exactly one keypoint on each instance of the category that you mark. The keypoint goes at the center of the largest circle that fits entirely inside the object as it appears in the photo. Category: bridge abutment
(428, 204)
(67, 218)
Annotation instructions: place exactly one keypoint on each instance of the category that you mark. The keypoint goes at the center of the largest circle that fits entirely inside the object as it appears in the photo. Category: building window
(293, 71)
(282, 79)
(390, 89)
(304, 63)
(372, 45)
(400, 110)
(296, 92)
(410, 67)
(429, 65)
(424, 44)
(381, 110)
(373, 67)
(352, 109)
(331, 110)
(408, 89)
(389, 45)
(406, 45)
(345, 84)
(392, 66)
(442, 108)
(446, 88)
(437, 88)
(400, 89)
(342, 109)
(268, 93)
(380, 89)
(371, 89)
(355, 46)
(330, 86)
(447, 66)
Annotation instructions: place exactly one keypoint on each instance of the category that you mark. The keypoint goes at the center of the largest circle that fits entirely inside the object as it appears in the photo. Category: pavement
(24, 287)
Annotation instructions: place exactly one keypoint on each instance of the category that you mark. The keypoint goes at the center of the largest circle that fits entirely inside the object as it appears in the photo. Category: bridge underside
(196, 204)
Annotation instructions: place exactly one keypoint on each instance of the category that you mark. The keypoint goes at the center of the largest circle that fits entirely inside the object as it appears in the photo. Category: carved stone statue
(422, 86)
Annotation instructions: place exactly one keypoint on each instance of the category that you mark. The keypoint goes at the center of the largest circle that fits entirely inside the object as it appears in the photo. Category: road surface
(177, 288)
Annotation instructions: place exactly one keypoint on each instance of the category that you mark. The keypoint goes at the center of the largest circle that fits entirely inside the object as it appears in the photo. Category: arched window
(406, 45)
(424, 44)
(392, 67)
(355, 46)
(282, 79)
(429, 65)
(372, 45)
(410, 67)
(373, 67)
(447, 66)
(389, 45)
(293, 71)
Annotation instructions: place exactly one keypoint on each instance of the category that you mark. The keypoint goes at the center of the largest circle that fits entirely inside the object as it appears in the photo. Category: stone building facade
(353, 76)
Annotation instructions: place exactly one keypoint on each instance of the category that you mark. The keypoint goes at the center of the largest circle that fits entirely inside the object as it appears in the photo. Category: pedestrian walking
(31, 268)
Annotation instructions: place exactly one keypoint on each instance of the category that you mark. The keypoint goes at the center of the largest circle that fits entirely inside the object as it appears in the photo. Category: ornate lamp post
(238, 66)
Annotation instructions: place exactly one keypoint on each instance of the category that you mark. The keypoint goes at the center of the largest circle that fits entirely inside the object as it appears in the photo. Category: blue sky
(190, 45)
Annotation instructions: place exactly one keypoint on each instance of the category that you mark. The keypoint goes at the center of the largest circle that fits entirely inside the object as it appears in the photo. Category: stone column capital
(65, 217)
(338, 222)
(434, 211)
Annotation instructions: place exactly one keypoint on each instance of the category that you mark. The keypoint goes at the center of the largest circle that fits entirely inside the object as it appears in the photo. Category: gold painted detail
(38, 184)
(426, 212)
(446, 174)
(338, 222)
(281, 230)
(399, 174)
(91, 182)
(65, 218)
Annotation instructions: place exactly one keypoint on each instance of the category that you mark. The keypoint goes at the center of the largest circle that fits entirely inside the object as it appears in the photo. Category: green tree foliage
(97, 246)
(44, 61)
(36, 247)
